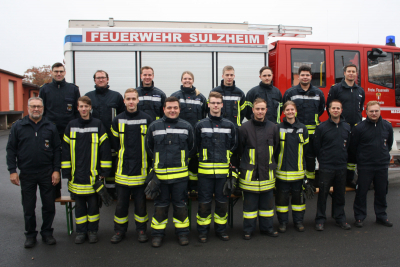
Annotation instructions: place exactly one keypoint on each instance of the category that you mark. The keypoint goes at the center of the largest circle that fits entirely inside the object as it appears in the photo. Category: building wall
(29, 91)
(18, 92)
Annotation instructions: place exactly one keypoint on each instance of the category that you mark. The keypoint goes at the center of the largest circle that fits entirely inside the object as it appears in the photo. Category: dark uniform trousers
(380, 179)
(283, 191)
(177, 194)
(337, 179)
(29, 183)
(121, 212)
(259, 205)
(87, 213)
(207, 188)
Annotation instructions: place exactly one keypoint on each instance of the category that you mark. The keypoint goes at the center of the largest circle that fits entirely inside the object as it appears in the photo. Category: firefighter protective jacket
(151, 101)
(60, 102)
(258, 141)
(371, 143)
(331, 144)
(352, 99)
(170, 143)
(234, 108)
(129, 134)
(216, 139)
(310, 105)
(86, 154)
(269, 93)
(193, 107)
(33, 150)
(292, 147)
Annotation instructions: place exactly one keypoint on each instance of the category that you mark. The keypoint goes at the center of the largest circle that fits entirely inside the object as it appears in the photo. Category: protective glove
(308, 188)
(102, 192)
(230, 184)
(152, 189)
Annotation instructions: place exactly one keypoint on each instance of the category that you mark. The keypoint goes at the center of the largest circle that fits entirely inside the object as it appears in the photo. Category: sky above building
(32, 32)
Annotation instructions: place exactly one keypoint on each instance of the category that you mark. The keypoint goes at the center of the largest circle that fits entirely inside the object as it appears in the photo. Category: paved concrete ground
(373, 245)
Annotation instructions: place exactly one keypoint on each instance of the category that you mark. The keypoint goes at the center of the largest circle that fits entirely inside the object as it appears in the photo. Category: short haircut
(349, 65)
(289, 103)
(56, 65)
(146, 68)
(187, 72)
(216, 95)
(371, 103)
(304, 68)
(34, 98)
(172, 99)
(97, 71)
(337, 101)
(228, 67)
(85, 99)
(260, 100)
(131, 90)
(265, 68)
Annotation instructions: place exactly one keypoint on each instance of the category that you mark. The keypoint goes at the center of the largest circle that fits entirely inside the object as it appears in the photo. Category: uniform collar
(132, 114)
(266, 86)
(82, 121)
(165, 118)
(60, 83)
(230, 88)
(345, 85)
(147, 88)
(296, 123)
(26, 120)
(102, 90)
(188, 90)
(259, 123)
(215, 117)
(369, 121)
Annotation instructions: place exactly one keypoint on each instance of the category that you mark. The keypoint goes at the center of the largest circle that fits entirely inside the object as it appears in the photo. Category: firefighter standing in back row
(170, 142)
(310, 103)
(352, 97)
(193, 109)
(86, 158)
(129, 133)
(258, 142)
(216, 139)
(106, 104)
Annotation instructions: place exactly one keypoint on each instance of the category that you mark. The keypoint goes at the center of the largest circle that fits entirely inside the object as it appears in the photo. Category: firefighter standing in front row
(129, 133)
(86, 157)
(258, 142)
(216, 139)
(170, 142)
(293, 137)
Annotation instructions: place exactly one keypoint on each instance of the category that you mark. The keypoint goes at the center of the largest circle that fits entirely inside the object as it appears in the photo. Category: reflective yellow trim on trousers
(290, 175)
(81, 189)
(271, 153)
(81, 220)
(120, 220)
(116, 134)
(282, 137)
(310, 175)
(93, 158)
(103, 137)
(282, 209)
(158, 225)
(350, 166)
(298, 207)
(250, 215)
(220, 220)
(94, 218)
(65, 164)
(183, 158)
(203, 221)
(266, 213)
(66, 139)
(252, 156)
(205, 157)
(141, 219)
(180, 224)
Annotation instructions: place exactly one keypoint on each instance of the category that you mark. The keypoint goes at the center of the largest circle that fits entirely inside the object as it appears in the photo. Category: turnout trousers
(261, 205)
(337, 179)
(283, 191)
(87, 214)
(29, 184)
(124, 194)
(380, 179)
(177, 194)
(207, 188)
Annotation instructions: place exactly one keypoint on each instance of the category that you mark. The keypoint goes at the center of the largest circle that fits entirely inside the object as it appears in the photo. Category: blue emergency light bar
(390, 40)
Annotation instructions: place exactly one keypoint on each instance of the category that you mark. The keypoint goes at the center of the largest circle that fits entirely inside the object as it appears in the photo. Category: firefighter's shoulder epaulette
(17, 121)
(44, 84)
(387, 121)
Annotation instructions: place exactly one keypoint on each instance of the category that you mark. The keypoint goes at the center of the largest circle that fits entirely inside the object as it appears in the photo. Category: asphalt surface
(372, 245)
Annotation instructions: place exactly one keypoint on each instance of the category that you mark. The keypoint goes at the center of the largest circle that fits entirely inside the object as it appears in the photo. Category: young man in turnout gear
(170, 142)
(129, 133)
(258, 142)
(293, 137)
(216, 139)
(310, 104)
(193, 109)
(60, 103)
(86, 157)
(269, 93)
(371, 142)
(106, 104)
(331, 143)
(352, 98)
(34, 147)
(151, 98)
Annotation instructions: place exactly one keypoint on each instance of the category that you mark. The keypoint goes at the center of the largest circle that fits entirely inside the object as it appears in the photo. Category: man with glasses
(34, 148)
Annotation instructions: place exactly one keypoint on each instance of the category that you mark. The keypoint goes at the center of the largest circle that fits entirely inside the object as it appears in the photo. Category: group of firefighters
(142, 144)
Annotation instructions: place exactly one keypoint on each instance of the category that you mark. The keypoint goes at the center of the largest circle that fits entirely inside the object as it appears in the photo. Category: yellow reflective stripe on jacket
(278, 119)
(228, 156)
(66, 139)
(193, 176)
(282, 137)
(183, 158)
(81, 220)
(316, 119)
(130, 180)
(310, 175)
(105, 164)
(249, 215)
(213, 171)
(65, 164)
(252, 156)
(282, 209)
(203, 221)
(256, 186)
(93, 218)
(220, 220)
(121, 152)
(350, 166)
(205, 156)
(172, 173)
(120, 220)
(266, 213)
(290, 175)
(81, 188)
(103, 137)
(249, 175)
(306, 141)
(299, 207)
(93, 157)
(180, 224)
(158, 225)
(144, 152)
(99, 188)
(311, 129)
(271, 153)
(300, 153)
(156, 160)
(115, 133)
(141, 219)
